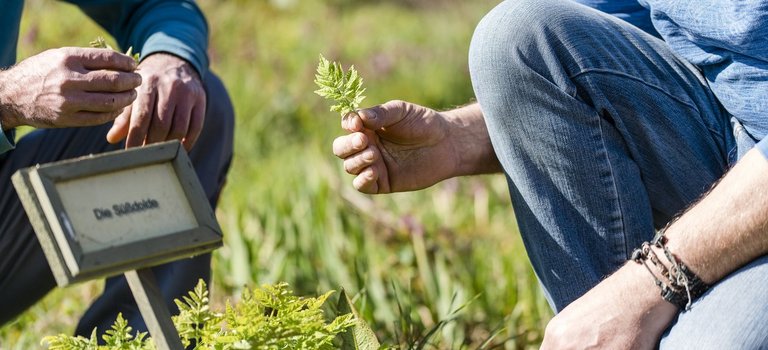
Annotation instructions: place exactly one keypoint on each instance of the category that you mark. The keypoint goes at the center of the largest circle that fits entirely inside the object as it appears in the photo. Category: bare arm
(722, 232)
(470, 134)
(727, 229)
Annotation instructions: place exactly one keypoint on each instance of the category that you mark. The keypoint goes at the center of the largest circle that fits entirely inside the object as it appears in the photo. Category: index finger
(142, 112)
(196, 123)
(94, 59)
(384, 115)
(345, 146)
(109, 81)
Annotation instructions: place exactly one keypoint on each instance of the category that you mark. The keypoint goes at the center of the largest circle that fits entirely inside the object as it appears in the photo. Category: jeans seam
(632, 77)
(616, 194)
(714, 132)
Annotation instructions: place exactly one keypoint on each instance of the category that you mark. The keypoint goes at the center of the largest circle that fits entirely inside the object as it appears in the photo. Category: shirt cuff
(6, 140)
(160, 42)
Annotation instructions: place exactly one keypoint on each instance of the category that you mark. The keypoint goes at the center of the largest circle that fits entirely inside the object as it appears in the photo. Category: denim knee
(516, 49)
(504, 31)
(519, 29)
(541, 38)
(522, 41)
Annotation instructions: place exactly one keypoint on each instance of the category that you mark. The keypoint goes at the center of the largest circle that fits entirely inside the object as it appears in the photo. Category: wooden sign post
(121, 211)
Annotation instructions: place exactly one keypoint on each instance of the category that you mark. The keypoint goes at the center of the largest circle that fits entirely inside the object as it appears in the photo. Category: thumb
(384, 115)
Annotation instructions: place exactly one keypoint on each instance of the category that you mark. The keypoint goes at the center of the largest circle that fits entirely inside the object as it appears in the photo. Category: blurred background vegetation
(448, 257)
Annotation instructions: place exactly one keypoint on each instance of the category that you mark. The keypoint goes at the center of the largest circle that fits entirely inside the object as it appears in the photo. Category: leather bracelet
(682, 285)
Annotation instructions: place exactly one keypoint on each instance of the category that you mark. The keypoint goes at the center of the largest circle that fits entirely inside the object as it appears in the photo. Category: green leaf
(100, 43)
(360, 336)
(344, 88)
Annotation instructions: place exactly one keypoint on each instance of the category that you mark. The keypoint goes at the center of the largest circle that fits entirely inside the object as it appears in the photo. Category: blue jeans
(605, 135)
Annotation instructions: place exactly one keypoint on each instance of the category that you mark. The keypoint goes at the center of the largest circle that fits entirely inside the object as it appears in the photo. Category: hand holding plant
(166, 78)
(67, 87)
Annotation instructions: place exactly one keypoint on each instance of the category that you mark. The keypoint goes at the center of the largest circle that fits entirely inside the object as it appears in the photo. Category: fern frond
(344, 88)
(66, 342)
(270, 317)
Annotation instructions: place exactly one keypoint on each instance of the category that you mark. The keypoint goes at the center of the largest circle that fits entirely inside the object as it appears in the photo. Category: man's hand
(625, 311)
(170, 105)
(400, 146)
(67, 87)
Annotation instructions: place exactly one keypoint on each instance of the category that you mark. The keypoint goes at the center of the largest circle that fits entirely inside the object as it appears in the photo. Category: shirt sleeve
(150, 26)
(629, 10)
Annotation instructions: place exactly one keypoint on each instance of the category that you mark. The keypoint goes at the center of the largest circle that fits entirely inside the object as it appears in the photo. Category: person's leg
(603, 133)
(211, 157)
(731, 315)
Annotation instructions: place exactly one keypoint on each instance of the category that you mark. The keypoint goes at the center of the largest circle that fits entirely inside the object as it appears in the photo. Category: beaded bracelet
(680, 286)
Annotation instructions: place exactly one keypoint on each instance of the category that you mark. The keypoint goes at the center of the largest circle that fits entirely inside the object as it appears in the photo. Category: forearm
(723, 231)
(472, 144)
(720, 233)
(727, 228)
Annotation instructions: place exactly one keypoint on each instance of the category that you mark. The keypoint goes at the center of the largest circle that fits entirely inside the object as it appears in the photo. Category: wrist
(8, 115)
(8, 120)
(166, 60)
(470, 141)
(644, 295)
(679, 285)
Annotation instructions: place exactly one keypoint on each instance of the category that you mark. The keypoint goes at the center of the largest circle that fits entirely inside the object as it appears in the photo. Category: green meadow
(443, 268)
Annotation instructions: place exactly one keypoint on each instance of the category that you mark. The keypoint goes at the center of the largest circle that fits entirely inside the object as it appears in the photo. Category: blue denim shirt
(150, 26)
(628, 10)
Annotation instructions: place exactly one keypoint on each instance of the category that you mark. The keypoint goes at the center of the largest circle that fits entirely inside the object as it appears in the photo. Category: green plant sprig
(269, 317)
(100, 43)
(344, 88)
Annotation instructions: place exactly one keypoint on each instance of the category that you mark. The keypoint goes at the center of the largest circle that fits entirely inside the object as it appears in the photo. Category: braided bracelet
(682, 285)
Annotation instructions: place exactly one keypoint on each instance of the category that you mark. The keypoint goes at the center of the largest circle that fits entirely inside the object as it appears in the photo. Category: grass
(441, 268)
